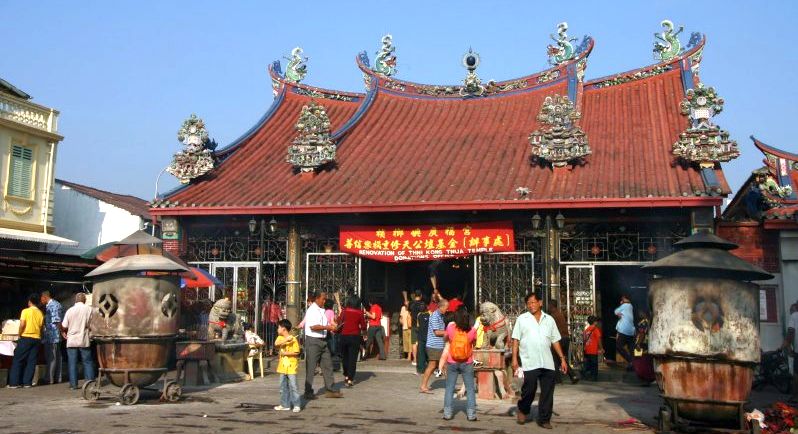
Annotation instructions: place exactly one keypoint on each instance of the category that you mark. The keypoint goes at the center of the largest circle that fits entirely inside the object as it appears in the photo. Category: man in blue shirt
(626, 330)
(51, 336)
(435, 342)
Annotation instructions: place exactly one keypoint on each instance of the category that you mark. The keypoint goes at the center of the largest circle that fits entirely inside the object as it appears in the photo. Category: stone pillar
(293, 284)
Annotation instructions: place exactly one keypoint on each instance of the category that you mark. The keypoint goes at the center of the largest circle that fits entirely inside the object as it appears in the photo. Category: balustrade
(26, 113)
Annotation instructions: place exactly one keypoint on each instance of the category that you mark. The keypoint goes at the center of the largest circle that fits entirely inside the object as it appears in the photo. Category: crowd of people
(44, 324)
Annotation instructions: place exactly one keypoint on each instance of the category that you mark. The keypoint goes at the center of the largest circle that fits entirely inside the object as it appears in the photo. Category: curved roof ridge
(351, 122)
(765, 148)
(510, 86)
(225, 151)
(279, 81)
(640, 73)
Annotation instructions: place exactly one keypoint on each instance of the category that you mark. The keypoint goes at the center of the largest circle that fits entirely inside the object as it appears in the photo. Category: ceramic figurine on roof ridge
(296, 69)
(472, 85)
(197, 157)
(313, 147)
(385, 62)
(703, 143)
(559, 141)
(668, 46)
(564, 50)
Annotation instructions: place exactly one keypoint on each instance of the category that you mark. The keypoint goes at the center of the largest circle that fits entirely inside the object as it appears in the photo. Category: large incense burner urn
(704, 334)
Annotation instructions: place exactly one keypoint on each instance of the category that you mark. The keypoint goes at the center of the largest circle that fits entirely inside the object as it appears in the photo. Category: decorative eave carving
(703, 143)
(313, 147)
(667, 45)
(385, 62)
(196, 159)
(297, 68)
(559, 141)
(564, 50)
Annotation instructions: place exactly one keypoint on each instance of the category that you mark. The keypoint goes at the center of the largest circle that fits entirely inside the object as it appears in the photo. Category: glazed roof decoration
(313, 147)
(472, 85)
(406, 146)
(772, 189)
(564, 50)
(196, 159)
(559, 141)
(297, 67)
(703, 143)
(668, 46)
(385, 62)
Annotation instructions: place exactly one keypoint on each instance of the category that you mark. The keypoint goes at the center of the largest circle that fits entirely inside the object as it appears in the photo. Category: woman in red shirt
(352, 325)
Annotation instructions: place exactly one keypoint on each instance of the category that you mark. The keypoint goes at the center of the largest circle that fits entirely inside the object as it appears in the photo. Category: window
(20, 172)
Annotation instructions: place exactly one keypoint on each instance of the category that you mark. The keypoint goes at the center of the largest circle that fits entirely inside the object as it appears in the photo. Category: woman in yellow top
(31, 321)
(288, 347)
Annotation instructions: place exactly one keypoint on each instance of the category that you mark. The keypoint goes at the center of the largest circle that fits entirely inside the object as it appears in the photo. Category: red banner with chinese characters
(397, 243)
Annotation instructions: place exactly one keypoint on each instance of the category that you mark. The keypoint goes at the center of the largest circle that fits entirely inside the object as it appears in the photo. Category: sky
(125, 74)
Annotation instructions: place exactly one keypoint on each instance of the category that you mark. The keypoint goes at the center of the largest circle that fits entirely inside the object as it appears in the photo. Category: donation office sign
(398, 243)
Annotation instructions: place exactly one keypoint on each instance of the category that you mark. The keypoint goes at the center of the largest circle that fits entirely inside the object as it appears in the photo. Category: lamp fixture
(536, 221)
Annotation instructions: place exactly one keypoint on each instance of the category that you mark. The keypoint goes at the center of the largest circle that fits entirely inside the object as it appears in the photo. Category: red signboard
(396, 243)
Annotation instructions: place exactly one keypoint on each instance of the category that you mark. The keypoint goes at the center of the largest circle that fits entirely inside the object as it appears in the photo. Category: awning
(15, 234)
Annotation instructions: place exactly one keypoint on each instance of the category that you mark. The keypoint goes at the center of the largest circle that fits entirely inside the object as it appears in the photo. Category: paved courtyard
(385, 399)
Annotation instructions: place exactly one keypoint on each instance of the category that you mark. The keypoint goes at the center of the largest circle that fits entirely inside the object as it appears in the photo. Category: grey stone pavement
(384, 399)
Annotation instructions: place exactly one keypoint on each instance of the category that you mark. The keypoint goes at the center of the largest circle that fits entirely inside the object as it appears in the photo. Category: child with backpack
(460, 337)
(593, 347)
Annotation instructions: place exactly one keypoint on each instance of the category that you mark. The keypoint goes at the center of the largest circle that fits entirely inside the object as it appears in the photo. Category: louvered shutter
(19, 177)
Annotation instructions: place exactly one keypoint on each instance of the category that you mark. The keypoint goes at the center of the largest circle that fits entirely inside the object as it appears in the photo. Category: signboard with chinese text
(396, 243)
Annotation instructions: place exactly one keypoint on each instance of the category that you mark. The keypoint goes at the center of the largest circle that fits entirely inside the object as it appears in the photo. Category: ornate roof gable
(196, 159)
(703, 143)
(312, 147)
(559, 142)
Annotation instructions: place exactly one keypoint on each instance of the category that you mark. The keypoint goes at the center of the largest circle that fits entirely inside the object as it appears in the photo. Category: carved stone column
(293, 274)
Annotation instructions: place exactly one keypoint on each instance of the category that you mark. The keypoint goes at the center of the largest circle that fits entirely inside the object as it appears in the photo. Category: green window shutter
(19, 177)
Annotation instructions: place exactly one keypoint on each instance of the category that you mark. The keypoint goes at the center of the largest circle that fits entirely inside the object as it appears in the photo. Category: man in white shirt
(75, 326)
(534, 335)
(317, 352)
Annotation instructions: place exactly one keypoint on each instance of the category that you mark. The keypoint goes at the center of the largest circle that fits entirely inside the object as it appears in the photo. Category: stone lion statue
(222, 322)
(497, 326)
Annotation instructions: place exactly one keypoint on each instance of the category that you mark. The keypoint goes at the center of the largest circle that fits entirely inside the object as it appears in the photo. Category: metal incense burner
(704, 334)
(134, 326)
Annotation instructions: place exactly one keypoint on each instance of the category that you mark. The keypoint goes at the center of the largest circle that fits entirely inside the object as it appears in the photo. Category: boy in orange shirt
(592, 339)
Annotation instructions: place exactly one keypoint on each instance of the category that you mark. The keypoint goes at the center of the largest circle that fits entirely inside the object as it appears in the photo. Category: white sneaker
(412, 363)
(438, 373)
(281, 408)
(296, 410)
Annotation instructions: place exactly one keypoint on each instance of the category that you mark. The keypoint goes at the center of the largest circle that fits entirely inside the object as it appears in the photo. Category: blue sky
(126, 74)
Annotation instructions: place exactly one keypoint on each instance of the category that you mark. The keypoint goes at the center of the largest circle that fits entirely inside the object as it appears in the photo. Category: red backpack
(460, 347)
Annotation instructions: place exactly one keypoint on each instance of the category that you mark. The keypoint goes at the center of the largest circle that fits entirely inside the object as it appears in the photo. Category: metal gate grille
(332, 272)
(504, 279)
(581, 293)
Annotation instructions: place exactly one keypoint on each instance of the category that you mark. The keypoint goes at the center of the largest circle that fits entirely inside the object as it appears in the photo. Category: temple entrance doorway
(612, 281)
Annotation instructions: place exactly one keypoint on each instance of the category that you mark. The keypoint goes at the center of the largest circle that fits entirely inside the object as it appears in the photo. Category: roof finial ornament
(703, 142)
(564, 50)
(559, 141)
(472, 85)
(670, 46)
(313, 146)
(385, 62)
(296, 69)
(196, 159)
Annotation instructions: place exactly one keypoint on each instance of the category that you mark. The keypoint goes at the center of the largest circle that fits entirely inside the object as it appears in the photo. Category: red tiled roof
(408, 151)
(131, 204)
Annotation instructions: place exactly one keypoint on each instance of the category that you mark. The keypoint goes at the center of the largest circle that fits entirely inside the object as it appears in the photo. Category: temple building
(763, 219)
(482, 190)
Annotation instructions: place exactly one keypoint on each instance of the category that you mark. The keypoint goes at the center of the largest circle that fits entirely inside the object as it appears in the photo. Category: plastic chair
(251, 357)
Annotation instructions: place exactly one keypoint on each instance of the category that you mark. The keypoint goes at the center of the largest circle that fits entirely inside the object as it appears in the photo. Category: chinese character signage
(394, 243)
